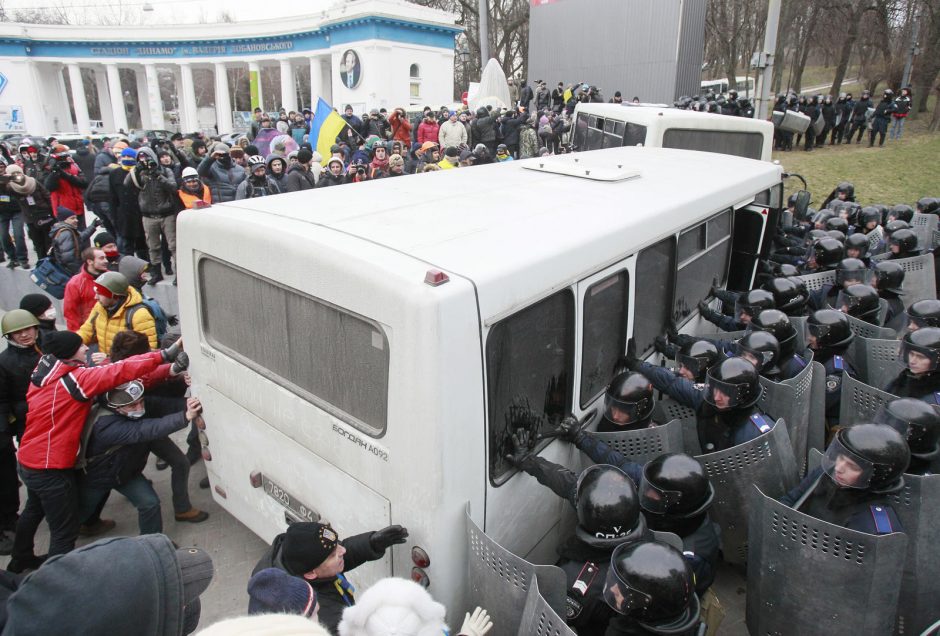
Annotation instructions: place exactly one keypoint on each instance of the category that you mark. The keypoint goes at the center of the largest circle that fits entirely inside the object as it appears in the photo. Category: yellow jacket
(101, 328)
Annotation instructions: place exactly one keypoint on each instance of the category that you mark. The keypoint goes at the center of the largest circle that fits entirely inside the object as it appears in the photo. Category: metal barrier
(807, 576)
(538, 617)
(860, 402)
(500, 580)
(868, 330)
(917, 506)
(875, 360)
(766, 461)
(790, 400)
(645, 444)
(815, 282)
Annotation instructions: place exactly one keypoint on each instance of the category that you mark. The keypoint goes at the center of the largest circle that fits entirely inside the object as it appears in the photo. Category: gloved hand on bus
(476, 624)
(180, 364)
(569, 429)
(172, 352)
(707, 312)
(630, 362)
(385, 538)
(521, 447)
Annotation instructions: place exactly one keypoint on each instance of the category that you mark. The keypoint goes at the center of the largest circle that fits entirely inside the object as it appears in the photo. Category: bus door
(753, 234)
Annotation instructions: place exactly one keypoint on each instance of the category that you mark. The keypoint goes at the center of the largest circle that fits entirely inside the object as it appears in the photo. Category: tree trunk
(935, 120)
(927, 62)
(851, 36)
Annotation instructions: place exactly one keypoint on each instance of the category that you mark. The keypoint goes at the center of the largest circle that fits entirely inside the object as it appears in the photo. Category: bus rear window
(604, 333)
(725, 142)
(655, 267)
(327, 355)
(703, 267)
(529, 363)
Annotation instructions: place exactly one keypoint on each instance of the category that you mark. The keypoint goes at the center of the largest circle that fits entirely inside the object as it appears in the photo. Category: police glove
(661, 344)
(570, 429)
(707, 312)
(630, 361)
(476, 624)
(385, 538)
(520, 448)
(173, 351)
(180, 364)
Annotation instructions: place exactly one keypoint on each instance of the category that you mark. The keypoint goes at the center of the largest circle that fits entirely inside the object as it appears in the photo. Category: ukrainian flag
(324, 127)
(567, 95)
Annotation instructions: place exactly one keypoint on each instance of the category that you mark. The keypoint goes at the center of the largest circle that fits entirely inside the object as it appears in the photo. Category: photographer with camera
(35, 203)
(159, 205)
(66, 183)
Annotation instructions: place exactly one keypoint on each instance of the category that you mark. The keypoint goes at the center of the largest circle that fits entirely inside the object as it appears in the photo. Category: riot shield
(819, 124)
(538, 617)
(919, 278)
(766, 461)
(667, 410)
(791, 121)
(918, 507)
(644, 444)
(789, 400)
(807, 576)
(669, 538)
(499, 580)
(868, 330)
(875, 360)
(875, 237)
(816, 435)
(799, 323)
(860, 402)
(815, 282)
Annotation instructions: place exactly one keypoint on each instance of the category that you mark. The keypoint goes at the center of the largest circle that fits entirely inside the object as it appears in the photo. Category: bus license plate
(289, 501)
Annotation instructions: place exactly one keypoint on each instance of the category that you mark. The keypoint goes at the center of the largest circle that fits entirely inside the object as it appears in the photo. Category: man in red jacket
(66, 183)
(80, 296)
(59, 400)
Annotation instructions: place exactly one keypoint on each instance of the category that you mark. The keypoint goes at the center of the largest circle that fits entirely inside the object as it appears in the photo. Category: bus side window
(595, 133)
(655, 267)
(530, 366)
(634, 134)
(579, 137)
(704, 251)
(605, 330)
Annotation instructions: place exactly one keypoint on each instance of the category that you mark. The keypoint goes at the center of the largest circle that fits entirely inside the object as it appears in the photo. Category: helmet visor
(725, 395)
(760, 359)
(741, 306)
(622, 598)
(656, 500)
(853, 277)
(696, 366)
(917, 358)
(623, 412)
(924, 321)
(851, 305)
(845, 467)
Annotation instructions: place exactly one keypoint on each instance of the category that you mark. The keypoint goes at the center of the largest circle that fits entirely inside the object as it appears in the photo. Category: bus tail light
(419, 557)
(420, 577)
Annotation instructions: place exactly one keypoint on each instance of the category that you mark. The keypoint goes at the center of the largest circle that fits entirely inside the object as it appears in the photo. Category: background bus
(743, 84)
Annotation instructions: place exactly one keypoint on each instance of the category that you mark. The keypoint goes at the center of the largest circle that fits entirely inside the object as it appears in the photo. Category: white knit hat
(265, 625)
(394, 607)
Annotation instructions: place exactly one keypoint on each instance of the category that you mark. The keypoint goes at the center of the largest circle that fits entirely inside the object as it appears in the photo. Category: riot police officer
(920, 354)
(856, 246)
(746, 306)
(849, 271)
(903, 244)
(860, 301)
(888, 278)
(693, 356)
(869, 224)
(862, 466)
(761, 349)
(824, 255)
(790, 361)
(919, 422)
(790, 294)
(628, 403)
(829, 336)
(901, 212)
(923, 313)
(728, 414)
(844, 191)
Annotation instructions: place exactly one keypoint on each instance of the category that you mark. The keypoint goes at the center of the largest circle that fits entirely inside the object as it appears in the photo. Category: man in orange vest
(194, 193)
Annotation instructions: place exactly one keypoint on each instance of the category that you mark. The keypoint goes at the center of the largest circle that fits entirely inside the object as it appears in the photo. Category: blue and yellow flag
(324, 127)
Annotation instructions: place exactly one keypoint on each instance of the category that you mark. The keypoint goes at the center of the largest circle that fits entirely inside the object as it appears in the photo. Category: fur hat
(394, 607)
(395, 160)
(265, 625)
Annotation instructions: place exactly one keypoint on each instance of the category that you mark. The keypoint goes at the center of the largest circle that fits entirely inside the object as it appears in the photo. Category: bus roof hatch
(595, 169)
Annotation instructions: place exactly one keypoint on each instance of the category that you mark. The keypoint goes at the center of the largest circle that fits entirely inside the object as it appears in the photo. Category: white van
(363, 353)
(599, 126)
(744, 85)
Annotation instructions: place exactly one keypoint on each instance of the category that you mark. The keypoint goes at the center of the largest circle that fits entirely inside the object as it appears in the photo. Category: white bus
(363, 353)
(744, 85)
(598, 126)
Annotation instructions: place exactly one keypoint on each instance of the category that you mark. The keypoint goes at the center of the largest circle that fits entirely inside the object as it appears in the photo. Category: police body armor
(806, 576)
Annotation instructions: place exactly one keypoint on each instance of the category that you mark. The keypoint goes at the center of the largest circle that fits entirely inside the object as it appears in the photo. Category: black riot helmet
(852, 271)
(811, 237)
(789, 271)
(753, 302)
(859, 301)
(849, 211)
(629, 399)
(792, 200)
(893, 226)
(847, 189)
(837, 223)
(924, 343)
(698, 357)
(762, 349)
(888, 276)
(653, 584)
(830, 329)
(901, 212)
(675, 485)
(916, 420)
(837, 235)
(869, 214)
(790, 294)
(856, 246)
(776, 322)
(928, 205)
(870, 457)
(905, 241)
(923, 313)
(827, 252)
(822, 217)
(883, 210)
(733, 383)
(608, 507)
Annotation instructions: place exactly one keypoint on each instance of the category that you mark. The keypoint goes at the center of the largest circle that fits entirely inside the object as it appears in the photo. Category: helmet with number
(916, 420)
(893, 226)
(674, 485)
(734, 383)
(857, 243)
(901, 212)
(828, 252)
(923, 313)
(888, 276)
(608, 507)
(847, 189)
(905, 241)
(776, 322)
(859, 301)
(698, 357)
(828, 330)
(111, 284)
(837, 223)
(870, 457)
(790, 294)
(852, 271)
(928, 205)
(653, 584)
(753, 302)
(629, 399)
(762, 349)
(924, 344)
(17, 320)
(869, 214)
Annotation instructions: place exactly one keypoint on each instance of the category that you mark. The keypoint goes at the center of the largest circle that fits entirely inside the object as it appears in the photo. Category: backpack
(99, 190)
(160, 318)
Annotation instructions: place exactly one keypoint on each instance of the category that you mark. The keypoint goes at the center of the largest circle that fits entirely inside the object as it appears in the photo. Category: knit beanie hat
(61, 344)
(103, 238)
(394, 607)
(197, 144)
(62, 213)
(451, 151)
(274, 591)
(36, 304)
(306, 545)
(128, 157)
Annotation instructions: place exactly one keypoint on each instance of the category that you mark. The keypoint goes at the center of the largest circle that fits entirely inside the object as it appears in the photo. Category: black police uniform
(836, 367)
(924, 387)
